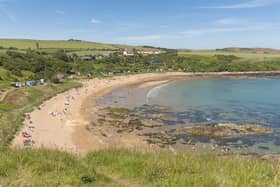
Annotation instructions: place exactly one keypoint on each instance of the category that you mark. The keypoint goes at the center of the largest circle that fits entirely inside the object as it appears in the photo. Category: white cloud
(193, 32)
(95, 21)
(231, 21)
(60, 12)
(186, 34)
(248, 4)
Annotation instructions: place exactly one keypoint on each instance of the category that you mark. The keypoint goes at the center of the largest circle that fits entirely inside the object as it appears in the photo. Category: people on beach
(225, 149)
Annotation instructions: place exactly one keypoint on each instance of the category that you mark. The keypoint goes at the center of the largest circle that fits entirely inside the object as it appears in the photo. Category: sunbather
(26, 135)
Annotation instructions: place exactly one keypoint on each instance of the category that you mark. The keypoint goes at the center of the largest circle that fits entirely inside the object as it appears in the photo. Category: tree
(37, 45)
(60, 54)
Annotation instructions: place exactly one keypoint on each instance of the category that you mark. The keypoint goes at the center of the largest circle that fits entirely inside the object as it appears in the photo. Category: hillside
(71, 44)
(54, 44)
(251, 54)
(251, 50)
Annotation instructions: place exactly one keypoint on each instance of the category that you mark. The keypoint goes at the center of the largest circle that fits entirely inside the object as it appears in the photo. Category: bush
(55, 80)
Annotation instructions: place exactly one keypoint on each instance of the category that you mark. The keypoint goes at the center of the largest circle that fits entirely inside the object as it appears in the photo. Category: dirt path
(3, 95)
(118, 180)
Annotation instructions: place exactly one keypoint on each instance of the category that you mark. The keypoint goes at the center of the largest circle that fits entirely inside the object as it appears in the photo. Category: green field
(91, 52)
(45, 44)
(243, 55)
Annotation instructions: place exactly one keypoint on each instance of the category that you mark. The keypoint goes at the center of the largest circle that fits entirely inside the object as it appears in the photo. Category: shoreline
(63, 122)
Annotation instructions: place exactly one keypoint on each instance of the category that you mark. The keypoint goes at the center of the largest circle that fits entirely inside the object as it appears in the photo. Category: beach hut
(16, 84)
(42, 81)
(30, 83)
(157, 62)
(60, 76)
(87, 58)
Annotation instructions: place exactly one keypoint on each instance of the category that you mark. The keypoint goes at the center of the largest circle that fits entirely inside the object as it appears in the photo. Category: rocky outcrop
(225, 130)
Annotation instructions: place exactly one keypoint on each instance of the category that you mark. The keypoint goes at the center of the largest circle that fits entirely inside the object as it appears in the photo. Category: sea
(190, 102)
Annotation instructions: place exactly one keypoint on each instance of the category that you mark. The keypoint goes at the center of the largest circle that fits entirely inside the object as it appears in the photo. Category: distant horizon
(36, 39)
(198, 24)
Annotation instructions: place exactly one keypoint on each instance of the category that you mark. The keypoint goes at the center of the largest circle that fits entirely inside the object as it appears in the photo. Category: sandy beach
(63, 122)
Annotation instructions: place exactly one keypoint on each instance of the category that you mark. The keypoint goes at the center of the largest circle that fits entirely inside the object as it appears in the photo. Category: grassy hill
(251, 50)
(244, 54)
(73, 45)
(54, 44)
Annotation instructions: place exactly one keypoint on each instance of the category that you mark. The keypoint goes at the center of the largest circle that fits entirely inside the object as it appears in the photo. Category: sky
(189, 24)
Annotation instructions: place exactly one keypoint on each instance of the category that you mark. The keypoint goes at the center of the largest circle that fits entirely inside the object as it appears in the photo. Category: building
(60, 76)
(150, 51)
(31, 83)
(17, 84)
(157, 62)
(42, 81)
(87, 58)
(128, 52)
(28, 83)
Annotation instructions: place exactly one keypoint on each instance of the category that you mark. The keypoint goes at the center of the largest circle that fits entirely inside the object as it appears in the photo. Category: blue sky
(196, 24)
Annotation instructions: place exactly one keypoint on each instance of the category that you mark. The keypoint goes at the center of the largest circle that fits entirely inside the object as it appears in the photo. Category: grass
(91, 52)
(122, 167)
(52, 44)
(243, 55)
(165, 169)
(47, 168)
(20, 101)
(123, 111)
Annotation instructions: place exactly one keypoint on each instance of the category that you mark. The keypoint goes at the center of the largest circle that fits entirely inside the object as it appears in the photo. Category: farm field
(48, 44)
(243, 55)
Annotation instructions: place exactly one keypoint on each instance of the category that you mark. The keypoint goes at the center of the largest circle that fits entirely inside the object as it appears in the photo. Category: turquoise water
(222, 100)
(204, 101)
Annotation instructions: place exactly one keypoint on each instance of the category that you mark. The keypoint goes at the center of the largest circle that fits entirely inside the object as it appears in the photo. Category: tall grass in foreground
(46, 168)
(164, 169)
(40, 167)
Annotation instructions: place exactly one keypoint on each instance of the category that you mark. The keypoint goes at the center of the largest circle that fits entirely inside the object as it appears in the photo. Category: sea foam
(154, 92)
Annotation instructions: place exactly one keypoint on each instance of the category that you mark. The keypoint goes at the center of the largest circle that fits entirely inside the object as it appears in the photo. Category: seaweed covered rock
(225, 130)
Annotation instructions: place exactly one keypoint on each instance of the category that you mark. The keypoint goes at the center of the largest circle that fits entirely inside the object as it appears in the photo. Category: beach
(64, 122)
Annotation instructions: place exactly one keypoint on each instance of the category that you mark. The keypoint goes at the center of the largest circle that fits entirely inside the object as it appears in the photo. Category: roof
(129, 51)
(157, 62)
(150, 50)
(86, 58)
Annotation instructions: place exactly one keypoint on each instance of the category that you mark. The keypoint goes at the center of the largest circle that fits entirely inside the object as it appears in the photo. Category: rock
(225, 130)
(151, 123)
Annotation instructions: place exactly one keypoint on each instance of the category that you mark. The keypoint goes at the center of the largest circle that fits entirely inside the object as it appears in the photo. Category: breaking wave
(154, 92)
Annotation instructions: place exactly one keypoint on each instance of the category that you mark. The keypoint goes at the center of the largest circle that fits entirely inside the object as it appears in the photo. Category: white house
(128, 52)
(151, 51)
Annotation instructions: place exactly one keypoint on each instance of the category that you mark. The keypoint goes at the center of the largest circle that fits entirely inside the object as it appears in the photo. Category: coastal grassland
(38, 167)
(52, 44)
(47, 168)
(166, 169)
(242, 55)
(17, 102)
(192, 62)
(91, 52)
